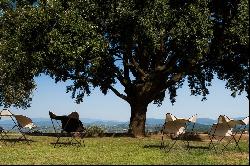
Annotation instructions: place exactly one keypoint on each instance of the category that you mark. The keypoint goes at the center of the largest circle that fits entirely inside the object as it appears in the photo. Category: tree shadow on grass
(186, 147)
(15, 140)
(65, 144)
(152, 146)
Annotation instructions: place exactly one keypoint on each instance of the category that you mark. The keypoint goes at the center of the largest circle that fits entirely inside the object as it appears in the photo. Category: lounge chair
(25, 125)
(20, 122)
(176, 129)
(69, 125)
(225, 128)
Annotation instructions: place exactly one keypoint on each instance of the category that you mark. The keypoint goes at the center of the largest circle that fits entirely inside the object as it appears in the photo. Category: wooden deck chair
(176, 128)
(25, 125)
(224, 128)
(69, 127)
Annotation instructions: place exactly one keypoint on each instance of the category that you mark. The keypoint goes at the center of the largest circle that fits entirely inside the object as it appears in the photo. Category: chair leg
(213, 146)
(211, 143)
(4, 136)
(188, 146)
(225, 146)
(83, 142)
(71, 139)
(78, 142)
(172, 146)
(237, 144)
(162, 142)
(237, 141)
(184, 140)
(20, 138)
(23, 136)
(75, 138)
(219, 141)
(82, 139)
(58, 138)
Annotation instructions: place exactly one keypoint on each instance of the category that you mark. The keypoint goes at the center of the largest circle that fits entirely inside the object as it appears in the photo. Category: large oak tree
(150, 47)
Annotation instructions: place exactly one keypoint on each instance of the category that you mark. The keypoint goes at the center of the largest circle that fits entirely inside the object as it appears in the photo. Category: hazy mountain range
(88, 121)
(111, 126)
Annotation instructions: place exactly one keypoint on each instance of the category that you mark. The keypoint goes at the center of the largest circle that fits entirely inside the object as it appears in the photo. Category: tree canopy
(150, 47)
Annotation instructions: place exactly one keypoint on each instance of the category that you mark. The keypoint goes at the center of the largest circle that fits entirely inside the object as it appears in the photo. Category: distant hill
(44, 122)
(101, 122)
(153, 121)
(149, 121)
(204, 121)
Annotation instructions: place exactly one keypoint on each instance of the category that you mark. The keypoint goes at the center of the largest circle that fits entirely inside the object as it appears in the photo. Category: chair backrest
(220, 129)
(174, 125)
(24, 122)
(170, 117)
(224, 119)
(223, 127)
(72, 125)
(246, 120)
(6, 112)
(74, 115)
(193, 118)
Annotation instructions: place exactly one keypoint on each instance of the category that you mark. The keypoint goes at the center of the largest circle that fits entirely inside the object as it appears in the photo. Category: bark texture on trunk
(138, 119)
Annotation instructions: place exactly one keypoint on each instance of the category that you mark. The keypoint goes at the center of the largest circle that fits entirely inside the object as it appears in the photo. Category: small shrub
(94, 131)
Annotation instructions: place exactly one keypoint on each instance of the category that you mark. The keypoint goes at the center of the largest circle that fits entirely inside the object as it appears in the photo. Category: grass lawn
(118, 150)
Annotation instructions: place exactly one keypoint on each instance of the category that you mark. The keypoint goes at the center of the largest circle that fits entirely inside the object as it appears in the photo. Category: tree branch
(172, 59)
(176, 78)
(122, 80)
(136, 66)
(117, 93)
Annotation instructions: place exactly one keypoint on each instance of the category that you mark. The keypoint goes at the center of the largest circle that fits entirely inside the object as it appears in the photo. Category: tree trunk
(138, 119)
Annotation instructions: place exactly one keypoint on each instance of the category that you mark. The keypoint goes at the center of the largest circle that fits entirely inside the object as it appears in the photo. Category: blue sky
(51, 96)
